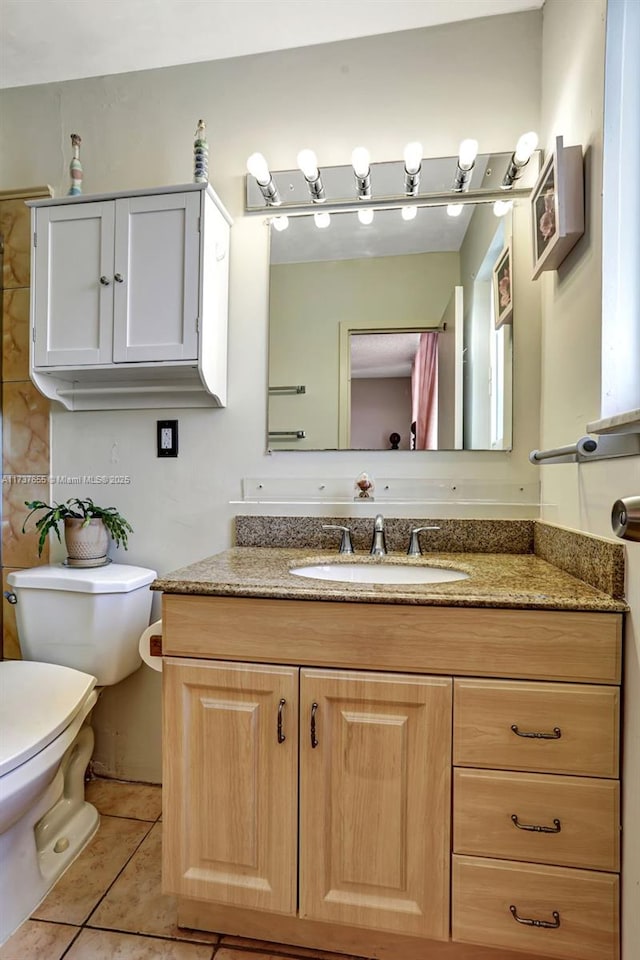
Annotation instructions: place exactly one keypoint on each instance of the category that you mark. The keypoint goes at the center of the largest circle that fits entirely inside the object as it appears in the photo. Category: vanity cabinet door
(230, 783)
(375, 756)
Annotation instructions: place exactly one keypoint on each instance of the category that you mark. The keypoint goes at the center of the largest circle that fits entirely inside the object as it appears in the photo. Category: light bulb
(525, 147)
(308, 163)
(409, 213)
(259, 168)
(365, 217)
(467, 154)
(280, 223)
(455, 209)
(360, 162)
(322, 220)
(413, 157)
(501, 207)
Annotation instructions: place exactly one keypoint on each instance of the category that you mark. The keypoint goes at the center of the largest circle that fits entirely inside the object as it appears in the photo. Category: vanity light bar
(302, 193)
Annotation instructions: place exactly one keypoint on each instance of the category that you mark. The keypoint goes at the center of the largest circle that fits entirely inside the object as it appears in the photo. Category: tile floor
(108, 905)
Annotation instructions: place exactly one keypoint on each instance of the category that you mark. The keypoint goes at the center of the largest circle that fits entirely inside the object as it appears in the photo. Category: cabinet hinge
(33, 334)
(35, 239)
(199, 222)
(197, 324)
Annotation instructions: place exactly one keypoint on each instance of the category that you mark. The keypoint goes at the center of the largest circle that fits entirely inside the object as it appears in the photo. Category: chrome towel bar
(590, 448)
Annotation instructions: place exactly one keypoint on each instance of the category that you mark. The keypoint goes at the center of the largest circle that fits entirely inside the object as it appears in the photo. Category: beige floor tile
(104, 945)
(135, 902)
(117, 798)
(36, 940)
(88, 878)
(272, 950)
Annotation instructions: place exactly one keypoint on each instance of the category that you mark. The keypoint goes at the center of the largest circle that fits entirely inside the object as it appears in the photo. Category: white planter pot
(88, 542)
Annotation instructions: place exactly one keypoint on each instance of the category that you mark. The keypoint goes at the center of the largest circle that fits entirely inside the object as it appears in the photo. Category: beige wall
(137, 131)
(379, 407)
(582, 496)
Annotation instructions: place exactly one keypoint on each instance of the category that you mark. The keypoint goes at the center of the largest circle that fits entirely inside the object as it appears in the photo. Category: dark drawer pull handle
(314, 739)
(556, 828)
(547, 924)
(557, 733)
(281, 736)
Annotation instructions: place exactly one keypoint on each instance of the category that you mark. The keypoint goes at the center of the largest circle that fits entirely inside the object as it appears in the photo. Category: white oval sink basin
(379, 573)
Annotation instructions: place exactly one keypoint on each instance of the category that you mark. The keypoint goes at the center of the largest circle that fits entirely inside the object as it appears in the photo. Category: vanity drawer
(486, 892)
(545, 727)
(587, 814)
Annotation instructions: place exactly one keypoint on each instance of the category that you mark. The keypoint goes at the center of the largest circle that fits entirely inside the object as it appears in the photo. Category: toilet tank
(90, 619)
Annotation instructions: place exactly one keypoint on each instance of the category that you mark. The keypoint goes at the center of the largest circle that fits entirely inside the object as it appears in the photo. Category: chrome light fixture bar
(259, 169)
(308, 163)
(466, 161)
(387, 185)
(525, 147)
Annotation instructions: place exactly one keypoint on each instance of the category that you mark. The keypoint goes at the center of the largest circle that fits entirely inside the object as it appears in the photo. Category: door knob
(119, 278)
(104, 281)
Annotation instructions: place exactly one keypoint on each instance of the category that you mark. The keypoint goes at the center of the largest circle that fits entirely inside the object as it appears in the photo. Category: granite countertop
(509, 580)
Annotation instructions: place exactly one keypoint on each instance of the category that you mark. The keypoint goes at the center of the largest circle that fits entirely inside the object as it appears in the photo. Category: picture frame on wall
(557, 207)
(502, 283)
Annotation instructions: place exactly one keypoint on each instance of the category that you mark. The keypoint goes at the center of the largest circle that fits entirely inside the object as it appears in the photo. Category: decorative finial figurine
(200, 154)
(75, 167)
(364, 486)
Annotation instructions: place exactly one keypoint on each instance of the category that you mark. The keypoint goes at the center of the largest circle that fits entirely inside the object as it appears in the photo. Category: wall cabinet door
(73, 284)
(230, 783)
(375, 800)
(156, 278)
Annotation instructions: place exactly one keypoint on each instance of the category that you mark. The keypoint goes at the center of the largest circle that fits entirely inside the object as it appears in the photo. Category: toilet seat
(37, 702)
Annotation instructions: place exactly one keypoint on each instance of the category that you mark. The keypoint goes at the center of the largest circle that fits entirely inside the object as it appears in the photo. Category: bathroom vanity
(415, 771)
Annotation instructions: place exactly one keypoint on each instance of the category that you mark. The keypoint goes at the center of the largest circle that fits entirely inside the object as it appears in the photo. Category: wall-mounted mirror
(387, 335)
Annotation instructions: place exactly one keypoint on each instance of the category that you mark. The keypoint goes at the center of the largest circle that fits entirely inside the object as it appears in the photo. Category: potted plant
(87, 528)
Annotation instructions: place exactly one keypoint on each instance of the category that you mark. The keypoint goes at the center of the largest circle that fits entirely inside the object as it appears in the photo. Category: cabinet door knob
(118, 278)
(105, 281)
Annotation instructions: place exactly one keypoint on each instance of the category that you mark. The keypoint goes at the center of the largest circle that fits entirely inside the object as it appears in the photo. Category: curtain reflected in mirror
(384, 336)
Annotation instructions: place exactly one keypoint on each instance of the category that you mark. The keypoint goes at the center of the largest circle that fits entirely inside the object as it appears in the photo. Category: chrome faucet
(378, 544)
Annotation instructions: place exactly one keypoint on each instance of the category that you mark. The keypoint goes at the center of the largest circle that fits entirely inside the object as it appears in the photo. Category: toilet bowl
(44, 749)
(79, 630)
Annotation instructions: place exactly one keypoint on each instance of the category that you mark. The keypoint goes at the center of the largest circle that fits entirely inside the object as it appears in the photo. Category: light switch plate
(167, 438)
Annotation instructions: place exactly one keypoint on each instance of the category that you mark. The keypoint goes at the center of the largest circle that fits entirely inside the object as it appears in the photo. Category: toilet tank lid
(37, 702)
(113, 578)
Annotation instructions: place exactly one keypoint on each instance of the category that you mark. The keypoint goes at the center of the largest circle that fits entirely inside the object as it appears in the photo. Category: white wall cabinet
(129, 299)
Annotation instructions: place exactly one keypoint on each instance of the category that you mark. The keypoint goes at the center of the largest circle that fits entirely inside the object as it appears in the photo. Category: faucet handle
(414, 549)
(346, 546)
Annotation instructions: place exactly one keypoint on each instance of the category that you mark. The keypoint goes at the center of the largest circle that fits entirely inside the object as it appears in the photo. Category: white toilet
(79, 630)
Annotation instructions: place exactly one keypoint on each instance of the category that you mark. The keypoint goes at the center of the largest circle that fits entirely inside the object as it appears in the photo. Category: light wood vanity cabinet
(440, 805)
(372, 784)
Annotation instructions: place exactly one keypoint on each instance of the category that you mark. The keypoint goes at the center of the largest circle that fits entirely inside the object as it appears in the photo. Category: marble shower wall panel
(25, 412)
